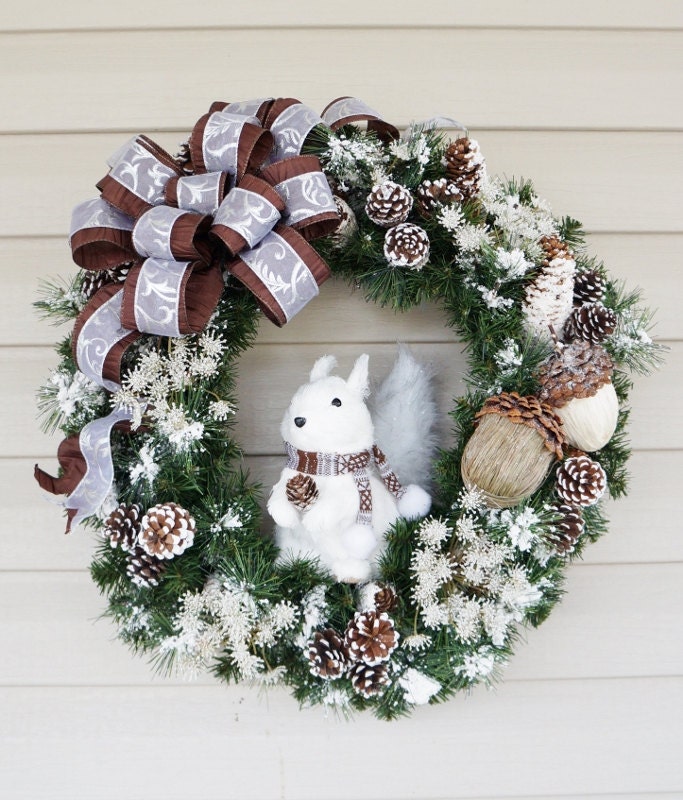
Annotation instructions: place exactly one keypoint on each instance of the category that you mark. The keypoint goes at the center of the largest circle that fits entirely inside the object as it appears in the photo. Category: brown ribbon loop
(347, 109)
(169, 233)
(200, 193)
(213, 147)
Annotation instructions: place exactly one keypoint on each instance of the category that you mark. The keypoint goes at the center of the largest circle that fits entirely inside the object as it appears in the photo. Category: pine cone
(370, 637)
(123, 526)
(580, 481)
(528, 411)
(592, 322)
(368, 680)
(589, 287)
(302, 491)
(348, 225)
(555, 249)
(143, 569)
(568, 528)
(406, 245)
(576, 370)
(327, 654)
(386, 599)
(431, 194)
(465, 165)
(95, 279)
(388, 204)
(166, 531)
(184, 158)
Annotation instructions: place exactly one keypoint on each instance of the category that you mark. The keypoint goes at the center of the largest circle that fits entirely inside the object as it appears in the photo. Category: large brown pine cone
(368, 680)
(592, 322)
(388, 204)
(301, 491)
(327, 654)
(465, 165)
(589, 287)
(431, 194)
(143, 569)
(568, 528)
(406, 245)
(370, 637)
(166, 531)
(575, 370)
(580, 481)
(123, 526)
(527, 410)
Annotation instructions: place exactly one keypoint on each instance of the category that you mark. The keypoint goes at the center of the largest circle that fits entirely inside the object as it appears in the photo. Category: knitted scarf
(331, 464)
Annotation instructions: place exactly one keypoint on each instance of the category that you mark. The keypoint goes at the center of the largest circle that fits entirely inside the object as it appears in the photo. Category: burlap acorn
(370, 637)
(514, 444)
(327, 654)
(388, 204)
(123, 526)
(301, 491)
(368, 680)
(568, 528)
(592, 322)
(166, 530)
(589, 287)
(144, 569)
(465, 165)
(406, 245)
(580, 481)
(431, 194)
(577, 381)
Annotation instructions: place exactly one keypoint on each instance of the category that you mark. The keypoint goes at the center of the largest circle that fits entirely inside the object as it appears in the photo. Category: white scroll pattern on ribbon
(221, 139)
(348, 107)
(97, 337)
(157, 296)
(199, 193)
(284, 274)
(97, 213)
(142, 173)
(152, 232)
(247, 213)
(290, 130)
(305, 196)
(95, 445)
(247, 108)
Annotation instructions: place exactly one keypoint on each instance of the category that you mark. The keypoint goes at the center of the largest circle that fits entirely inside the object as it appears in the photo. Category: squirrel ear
(322, 368)
(358, 379)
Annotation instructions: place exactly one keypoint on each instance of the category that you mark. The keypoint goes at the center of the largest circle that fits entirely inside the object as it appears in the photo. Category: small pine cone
(120, 273)
(388, 204)
(465, 165)
(368, 680)
(431, 194)
(123, 526)
(327, 654)
(589, 287)
(348, 225)
(143, 569)
(568, 528)
(576, 370)
(555, 249)
(406, 245)
(386, 599)
(302, 491)
(592, 322)
(370, 637)
(166, 530)
(93, 280)
(527, 410)
(580, 481)
(184, 158)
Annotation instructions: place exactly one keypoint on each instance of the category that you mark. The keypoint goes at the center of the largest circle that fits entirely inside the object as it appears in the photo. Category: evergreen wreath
(414, 218)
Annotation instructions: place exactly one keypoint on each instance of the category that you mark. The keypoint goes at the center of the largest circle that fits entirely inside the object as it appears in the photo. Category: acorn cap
(576, 370)
(530, 411)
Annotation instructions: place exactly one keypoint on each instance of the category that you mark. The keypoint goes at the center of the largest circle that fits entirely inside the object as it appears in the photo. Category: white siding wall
(585, 98)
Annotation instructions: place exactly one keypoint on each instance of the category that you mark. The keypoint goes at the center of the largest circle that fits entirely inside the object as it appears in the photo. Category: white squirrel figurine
(328, 504)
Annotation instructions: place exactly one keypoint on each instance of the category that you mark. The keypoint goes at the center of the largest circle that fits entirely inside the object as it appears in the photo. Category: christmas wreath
(180, 257)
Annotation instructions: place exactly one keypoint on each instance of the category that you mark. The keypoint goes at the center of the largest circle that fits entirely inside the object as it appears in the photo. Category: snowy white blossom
(477, 665)
(418, 687)
(496, 620)
(415, 148)
(450, 217)
(465, 616)
(180, 431)
(74, 391)
(433, 532)
(519, 594)
(417, 641)
(512, 264)
(314, 611)
(492, 299)
(146, 468)
(467, 528)
(471, 238)
(220, 409)
(520, 527)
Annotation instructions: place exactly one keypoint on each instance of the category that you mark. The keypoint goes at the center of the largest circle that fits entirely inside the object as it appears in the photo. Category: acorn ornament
(576, 380)
(515, 442)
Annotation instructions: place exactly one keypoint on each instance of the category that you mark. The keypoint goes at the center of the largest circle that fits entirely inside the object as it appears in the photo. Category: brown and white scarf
(331, 464)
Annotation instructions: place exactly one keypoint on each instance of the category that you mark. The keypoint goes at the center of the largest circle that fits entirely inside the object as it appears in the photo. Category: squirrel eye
(336, 402)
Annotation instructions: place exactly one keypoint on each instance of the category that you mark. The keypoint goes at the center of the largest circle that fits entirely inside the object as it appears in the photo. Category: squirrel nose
(299, 421)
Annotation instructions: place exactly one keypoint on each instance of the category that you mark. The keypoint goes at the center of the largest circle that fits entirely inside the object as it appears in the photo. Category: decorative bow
(247, 200)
